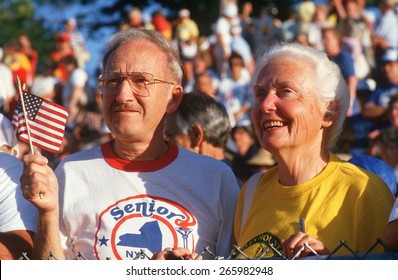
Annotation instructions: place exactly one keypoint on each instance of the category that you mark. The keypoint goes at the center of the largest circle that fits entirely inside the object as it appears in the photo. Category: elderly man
(137, 193)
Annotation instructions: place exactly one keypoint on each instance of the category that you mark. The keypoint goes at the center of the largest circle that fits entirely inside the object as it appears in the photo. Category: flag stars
(32, 105)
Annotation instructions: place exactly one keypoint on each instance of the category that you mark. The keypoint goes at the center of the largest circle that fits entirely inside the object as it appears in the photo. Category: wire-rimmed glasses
(109, 83)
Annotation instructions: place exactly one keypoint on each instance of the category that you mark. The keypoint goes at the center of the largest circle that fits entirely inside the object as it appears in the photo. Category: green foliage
(17, 18)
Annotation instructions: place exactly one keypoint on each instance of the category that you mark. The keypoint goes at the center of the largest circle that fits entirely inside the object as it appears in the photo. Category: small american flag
(47, 122)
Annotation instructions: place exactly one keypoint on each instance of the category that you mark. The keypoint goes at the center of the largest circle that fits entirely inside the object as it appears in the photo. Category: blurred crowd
(363, 42)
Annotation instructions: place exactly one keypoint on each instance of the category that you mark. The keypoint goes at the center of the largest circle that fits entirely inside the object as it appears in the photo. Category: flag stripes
(47, 122)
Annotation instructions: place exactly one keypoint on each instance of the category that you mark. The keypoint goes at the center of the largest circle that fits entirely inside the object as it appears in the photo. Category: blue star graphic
(103, 241)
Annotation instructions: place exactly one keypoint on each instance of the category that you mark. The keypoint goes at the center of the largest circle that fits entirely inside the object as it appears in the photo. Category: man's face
(128, 115)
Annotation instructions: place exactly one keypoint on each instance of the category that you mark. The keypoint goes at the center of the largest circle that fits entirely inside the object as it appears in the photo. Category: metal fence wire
(368, 255)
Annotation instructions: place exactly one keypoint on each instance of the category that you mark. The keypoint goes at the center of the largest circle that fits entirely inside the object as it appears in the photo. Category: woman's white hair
(331, 89)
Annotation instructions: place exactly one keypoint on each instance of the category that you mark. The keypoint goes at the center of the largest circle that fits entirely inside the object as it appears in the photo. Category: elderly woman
(311, 197)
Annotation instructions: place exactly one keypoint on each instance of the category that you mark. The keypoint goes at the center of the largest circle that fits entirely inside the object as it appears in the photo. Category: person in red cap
(63, 49)
(161, 24)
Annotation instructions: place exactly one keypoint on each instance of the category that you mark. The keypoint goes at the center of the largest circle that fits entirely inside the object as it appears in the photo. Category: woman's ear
(330, 114)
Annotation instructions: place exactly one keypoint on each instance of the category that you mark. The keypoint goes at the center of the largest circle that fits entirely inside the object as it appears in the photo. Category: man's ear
(175, 100)
(196, 135)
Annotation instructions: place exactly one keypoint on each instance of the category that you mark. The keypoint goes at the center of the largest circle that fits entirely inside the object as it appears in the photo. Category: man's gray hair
(201, 109)
(165, 46)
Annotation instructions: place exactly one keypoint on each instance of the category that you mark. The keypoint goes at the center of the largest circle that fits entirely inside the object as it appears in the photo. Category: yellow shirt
(343, 202)
(186, 30)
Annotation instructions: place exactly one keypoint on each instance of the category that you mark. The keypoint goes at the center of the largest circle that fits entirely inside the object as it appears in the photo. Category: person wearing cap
(222, 31)
(186, 36)
(63, 49)
(161, 24)
(376, 106)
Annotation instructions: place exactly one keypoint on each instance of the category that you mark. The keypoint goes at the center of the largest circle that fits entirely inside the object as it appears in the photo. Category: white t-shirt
(112, 208)
(16, 213)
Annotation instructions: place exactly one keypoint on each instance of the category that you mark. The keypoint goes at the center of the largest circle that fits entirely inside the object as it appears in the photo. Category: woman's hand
(295, 243)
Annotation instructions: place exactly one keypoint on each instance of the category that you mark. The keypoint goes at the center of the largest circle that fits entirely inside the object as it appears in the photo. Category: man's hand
(176, 254)
(38, 183)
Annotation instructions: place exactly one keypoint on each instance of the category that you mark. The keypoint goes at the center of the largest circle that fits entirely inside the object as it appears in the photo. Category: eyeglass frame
(126, 76)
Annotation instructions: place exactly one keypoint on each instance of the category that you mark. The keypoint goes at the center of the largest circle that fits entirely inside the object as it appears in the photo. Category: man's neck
(139, 151)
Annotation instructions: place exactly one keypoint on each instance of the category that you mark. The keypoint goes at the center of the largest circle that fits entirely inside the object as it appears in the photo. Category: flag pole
(24, 113)
(26, 120)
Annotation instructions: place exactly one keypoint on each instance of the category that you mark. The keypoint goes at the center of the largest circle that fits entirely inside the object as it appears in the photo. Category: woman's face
(286, 114)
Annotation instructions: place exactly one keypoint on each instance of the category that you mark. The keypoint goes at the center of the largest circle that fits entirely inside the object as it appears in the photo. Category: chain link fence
(334, 255)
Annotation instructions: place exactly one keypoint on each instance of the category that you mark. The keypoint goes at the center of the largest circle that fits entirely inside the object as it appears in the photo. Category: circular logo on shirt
(261, 246)
(138, 226)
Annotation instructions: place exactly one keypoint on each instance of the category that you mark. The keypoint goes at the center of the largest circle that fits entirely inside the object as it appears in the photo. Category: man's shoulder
(84, 155)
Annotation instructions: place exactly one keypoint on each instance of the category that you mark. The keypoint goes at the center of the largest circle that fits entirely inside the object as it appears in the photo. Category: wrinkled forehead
(278, 66)
(135, 56)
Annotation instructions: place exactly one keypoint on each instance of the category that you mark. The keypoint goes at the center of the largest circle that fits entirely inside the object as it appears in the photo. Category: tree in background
(17, 18)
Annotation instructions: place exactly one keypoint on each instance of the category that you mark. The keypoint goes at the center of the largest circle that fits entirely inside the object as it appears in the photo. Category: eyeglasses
(109, 83)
